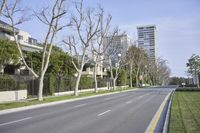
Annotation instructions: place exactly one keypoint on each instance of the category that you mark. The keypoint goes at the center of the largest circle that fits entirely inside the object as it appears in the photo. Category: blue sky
(178, 25)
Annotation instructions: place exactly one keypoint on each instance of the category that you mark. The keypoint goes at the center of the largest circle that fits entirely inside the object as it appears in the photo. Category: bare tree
(99, 48)
(129, 60)
(137, 60)
(86, 24)
(163, 72)
(114, 57)
(3, 3)
(51, 20)
(158, 72)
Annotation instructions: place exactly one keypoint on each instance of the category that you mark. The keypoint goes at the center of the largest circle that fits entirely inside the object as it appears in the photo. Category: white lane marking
(103, 113)
(143, 95)
(80, 105)
(129, 102)
(11, 122)
(109, 98)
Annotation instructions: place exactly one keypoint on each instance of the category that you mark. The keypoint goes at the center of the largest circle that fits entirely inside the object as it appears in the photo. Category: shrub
(86, 83)
(7, 83)
(52, 84)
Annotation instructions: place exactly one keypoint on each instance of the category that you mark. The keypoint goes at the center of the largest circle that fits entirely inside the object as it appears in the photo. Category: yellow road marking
(159, 114)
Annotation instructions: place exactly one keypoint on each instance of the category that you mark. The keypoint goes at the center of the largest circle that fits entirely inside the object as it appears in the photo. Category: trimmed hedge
(187, 89)
(54, 83)
(86, 83)
(7, 83)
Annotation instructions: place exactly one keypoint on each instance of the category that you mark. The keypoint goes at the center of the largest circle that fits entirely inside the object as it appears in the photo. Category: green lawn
(185, 113)
(53, 99)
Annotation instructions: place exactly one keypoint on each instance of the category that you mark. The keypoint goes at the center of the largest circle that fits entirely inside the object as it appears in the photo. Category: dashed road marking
(103, 113)
(11, 122)
(80, 105)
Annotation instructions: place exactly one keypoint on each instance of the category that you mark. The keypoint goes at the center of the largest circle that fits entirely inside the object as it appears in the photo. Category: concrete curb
(152, 126)
(166, 124)
(7, 111)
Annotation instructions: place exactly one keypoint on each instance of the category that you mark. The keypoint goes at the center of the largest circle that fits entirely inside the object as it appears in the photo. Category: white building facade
(147, 40)
(27, 42)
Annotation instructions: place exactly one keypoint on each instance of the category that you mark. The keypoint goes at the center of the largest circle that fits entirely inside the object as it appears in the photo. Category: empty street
(126, 112)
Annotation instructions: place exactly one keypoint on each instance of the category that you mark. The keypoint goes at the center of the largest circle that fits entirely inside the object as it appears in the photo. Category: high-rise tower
(147, 39)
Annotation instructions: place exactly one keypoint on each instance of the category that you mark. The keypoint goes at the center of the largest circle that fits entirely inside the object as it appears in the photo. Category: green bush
(51, 84)
(122, 79)
(7, 83)
(86, 83)
(102, 82)
(61, 84)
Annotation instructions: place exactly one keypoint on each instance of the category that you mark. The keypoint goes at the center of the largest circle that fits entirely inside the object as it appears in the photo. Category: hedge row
(52, 84)
(187, 89)
(7, 83)
(60, 84)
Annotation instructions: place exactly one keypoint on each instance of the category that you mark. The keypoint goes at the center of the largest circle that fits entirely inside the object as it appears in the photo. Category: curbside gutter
(167, 119)
(13, 110)
(155, 120)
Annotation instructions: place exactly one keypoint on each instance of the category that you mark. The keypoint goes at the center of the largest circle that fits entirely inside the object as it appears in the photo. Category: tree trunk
(2, 68)
(40, 91)
(131, 78)
(114, 84)
(136, 77)
(111, 74)
(197, 81)
(77, 83)
(95, 78)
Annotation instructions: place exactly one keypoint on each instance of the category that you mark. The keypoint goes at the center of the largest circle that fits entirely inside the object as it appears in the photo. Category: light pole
(117, 69)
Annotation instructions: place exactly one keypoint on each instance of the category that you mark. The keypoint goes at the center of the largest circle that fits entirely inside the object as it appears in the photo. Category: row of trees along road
(144, 70)
(193, 65)
(87, 27)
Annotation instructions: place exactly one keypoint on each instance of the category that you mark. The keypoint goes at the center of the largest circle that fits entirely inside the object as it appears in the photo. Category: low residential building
(27, 42)
(88, 70)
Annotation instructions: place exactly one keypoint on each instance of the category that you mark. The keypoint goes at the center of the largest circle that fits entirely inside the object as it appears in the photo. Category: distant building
(27, 42)
(88, 68)
(147, 39)
(118, 46)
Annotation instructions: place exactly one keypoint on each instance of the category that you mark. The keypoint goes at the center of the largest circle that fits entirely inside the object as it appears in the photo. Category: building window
(32, 41)
(20, 37)
(84, 68)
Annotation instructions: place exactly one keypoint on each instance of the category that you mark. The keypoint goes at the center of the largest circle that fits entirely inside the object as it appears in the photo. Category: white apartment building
(24, 38)
(27, 42)
(147, 39)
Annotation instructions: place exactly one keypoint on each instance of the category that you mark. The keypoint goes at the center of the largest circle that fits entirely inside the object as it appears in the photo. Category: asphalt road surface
(127, 112)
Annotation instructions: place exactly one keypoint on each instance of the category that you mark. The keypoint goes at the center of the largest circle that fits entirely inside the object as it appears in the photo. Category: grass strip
(185, 113)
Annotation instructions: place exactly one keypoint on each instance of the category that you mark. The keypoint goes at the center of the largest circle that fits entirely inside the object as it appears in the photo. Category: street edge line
(166, 124)
(156, 117)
